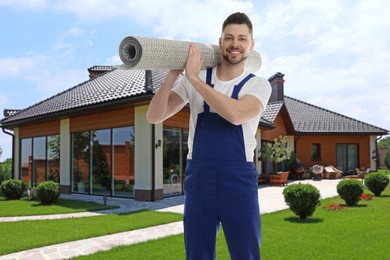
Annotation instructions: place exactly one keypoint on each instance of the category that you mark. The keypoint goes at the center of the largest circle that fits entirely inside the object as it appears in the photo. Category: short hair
(238, 18)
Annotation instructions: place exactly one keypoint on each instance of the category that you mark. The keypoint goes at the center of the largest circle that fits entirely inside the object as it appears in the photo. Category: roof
(271, 111)
(311, 119)
(118, 84)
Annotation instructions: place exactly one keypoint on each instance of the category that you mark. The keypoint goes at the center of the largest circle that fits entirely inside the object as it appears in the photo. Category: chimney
(277, 85)
(96, 71)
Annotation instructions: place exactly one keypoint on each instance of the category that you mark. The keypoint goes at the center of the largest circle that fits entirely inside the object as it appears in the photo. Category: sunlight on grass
(22, 235)
(359, 232)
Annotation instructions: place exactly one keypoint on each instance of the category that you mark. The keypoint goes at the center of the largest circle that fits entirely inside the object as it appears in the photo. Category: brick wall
(146, 195)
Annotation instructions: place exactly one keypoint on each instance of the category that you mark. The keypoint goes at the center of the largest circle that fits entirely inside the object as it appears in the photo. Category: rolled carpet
(152, 53)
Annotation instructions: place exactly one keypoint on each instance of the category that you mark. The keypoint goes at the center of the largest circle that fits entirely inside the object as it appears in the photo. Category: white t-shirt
(256, 86)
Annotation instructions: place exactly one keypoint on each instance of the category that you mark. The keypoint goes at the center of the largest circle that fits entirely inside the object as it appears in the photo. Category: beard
(233, 62)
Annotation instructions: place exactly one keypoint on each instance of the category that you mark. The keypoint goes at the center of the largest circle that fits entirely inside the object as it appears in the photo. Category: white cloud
(16, 66)
(35, 5)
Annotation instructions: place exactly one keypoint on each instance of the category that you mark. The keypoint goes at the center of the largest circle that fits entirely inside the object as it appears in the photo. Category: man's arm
(234, 111)
(165, 102)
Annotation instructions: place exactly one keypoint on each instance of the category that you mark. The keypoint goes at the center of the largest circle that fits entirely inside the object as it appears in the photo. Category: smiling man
(226, 103)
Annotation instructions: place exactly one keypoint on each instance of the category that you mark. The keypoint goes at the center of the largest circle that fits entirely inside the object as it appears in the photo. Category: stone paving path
(270, 200)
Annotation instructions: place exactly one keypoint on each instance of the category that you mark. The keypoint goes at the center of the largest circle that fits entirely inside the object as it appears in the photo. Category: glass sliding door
(101, 162)
(39, 160)
(347, 157)
(174, 154)
(123, 161)
(80, 162)
(26, 160)
(53, 158)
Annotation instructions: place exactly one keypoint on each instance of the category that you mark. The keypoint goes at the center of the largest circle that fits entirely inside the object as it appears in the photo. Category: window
(315, 152)
(40, 159)
(347, 157)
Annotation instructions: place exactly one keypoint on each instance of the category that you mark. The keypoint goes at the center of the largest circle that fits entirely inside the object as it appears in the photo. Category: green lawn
(23, 235)
(10, 208)
(360, 232)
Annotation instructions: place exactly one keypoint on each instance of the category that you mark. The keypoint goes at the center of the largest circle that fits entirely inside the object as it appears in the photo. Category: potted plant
(277, 152)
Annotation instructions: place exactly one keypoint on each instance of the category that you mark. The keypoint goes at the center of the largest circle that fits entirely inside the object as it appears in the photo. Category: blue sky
(334, 54)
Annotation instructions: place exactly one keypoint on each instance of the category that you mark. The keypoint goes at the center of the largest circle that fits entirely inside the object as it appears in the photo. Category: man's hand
(194, 63)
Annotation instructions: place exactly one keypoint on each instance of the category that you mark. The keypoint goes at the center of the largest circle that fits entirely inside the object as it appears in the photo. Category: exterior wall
(279, 130)
(40, 129)
(144, 154)
(180, 120)
(101, 120)
(328, 148)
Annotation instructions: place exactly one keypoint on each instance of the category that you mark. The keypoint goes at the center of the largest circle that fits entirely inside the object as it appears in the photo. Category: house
(94, 137)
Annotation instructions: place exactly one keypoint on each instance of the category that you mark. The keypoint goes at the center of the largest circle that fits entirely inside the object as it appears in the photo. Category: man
(226, 103)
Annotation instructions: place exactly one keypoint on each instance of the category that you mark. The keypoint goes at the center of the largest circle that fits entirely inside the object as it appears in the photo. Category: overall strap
(239, 86)
(206, 107)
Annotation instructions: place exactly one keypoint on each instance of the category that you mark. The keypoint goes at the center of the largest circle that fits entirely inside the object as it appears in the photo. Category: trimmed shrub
(12, 189)
(350, 191)
(48, 192)
(302, 199)
(376, 182)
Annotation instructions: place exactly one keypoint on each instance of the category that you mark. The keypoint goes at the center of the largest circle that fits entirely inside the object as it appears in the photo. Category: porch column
(290, 143)
(258, 151)
(372, 155)
(65, 162)
(148, 158)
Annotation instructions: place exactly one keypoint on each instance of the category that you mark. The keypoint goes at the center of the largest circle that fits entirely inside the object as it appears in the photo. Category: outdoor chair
(332, 172)
(359, 175)
(278, 179)
(317, 171)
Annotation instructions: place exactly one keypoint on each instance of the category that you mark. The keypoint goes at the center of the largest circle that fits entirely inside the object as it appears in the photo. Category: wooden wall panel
(180, 120)
(102, 120)
(40, 129)
(279, 130)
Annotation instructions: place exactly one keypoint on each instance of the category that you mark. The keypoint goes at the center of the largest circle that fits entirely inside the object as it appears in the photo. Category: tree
(277, 152)
(1, 151)
(384, 142)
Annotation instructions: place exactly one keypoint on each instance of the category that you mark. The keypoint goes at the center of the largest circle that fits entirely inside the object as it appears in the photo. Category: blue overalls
(220, 187)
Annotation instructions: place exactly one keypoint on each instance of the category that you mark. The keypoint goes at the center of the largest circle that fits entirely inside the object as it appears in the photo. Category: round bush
(48, 192)
(350, 191)
(302, 199)
(12, 189)
(376, 182)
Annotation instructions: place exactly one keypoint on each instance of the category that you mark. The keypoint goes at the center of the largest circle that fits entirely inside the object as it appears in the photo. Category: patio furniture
(332, 172)
(317, 171)
(297, 171)
(263, 179)
(359, 175)
(278, 179)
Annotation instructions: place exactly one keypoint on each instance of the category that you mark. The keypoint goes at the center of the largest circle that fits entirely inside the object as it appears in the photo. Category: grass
(23, 235)
(359, 232)
(11, 208)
